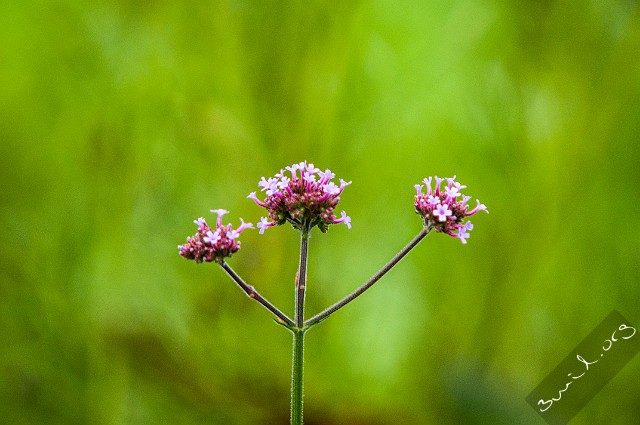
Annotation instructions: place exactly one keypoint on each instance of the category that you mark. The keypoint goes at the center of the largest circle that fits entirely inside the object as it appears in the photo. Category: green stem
(297, 378)
(297, 368)
(253, 294)
(368, 284)
(301, 278)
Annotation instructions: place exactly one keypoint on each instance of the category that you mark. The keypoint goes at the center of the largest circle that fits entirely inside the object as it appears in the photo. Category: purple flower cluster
(213, 245)
(305, 198)
(445, 210)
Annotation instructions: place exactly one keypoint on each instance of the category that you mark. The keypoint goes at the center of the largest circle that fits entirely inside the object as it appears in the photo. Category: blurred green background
(123, 121)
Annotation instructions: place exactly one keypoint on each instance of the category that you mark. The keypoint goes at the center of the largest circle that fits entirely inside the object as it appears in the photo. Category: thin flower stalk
(254, 295)
(301, 278)
(297, 362)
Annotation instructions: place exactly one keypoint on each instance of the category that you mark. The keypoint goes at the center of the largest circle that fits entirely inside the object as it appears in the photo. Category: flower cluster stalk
(253, 294)
(297, 367)
(306, 197)
(301, 278)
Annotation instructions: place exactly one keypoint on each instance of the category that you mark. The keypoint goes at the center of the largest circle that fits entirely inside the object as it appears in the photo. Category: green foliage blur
(123, 121)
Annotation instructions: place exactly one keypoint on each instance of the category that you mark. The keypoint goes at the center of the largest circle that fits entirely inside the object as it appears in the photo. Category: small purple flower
(463, 232)
(212, 237)
(344, 218)
(213, 244)
(452, 192)
(331, 188)
(443, 210)
(264, 224)
(463, 235)
(305, 198)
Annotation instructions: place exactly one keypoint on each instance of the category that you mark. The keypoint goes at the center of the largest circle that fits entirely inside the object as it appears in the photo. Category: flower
(305, 197)
(213, 244)
(443, 210)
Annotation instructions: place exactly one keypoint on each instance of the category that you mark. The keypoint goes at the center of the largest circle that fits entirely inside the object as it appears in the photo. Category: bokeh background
(123, 121)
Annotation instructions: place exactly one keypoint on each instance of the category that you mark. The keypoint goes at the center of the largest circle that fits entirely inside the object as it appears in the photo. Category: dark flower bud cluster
(213, 244)
(446, 210)
(306, 197)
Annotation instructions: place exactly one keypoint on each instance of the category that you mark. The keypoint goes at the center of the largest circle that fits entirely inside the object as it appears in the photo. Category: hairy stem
(301, 278)
(297, 373)
(297, 368)
(253, 294)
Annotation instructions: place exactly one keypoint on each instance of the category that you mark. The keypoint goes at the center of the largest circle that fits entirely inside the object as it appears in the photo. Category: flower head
(305, 197)
(213, 244)
(446, 209)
